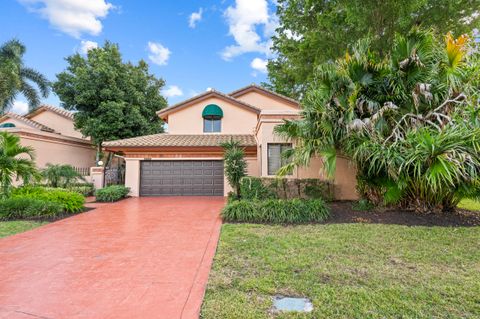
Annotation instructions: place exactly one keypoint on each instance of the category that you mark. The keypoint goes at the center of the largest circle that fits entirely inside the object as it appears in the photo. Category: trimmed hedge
(276, 211)
(261, 188)
(23, 207)
(112, 193)
(71, 202)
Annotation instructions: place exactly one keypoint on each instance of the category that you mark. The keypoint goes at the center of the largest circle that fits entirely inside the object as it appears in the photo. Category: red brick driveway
(138, 258)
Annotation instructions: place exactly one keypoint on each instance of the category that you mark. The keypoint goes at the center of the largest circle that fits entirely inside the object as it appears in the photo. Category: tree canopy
(16, 78)
(408, 119)
(312, 32)
(112, 99)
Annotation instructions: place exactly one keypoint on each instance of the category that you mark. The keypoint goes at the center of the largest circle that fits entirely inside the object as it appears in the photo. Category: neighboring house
(188, 159)
(51, 133)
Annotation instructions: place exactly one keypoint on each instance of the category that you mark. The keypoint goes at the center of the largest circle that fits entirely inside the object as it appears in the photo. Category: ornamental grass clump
(276, 211)
(24, 207)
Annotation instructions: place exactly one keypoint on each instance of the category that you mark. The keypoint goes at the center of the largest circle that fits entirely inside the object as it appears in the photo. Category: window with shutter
(275, 159)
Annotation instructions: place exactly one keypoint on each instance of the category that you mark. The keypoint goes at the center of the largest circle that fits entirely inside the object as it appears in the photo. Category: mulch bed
(342, 212)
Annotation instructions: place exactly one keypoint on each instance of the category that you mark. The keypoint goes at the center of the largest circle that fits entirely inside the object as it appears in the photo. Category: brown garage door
(181, 178)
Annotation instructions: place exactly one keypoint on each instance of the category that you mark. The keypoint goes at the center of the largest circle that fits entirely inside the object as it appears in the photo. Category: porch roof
(181, 140)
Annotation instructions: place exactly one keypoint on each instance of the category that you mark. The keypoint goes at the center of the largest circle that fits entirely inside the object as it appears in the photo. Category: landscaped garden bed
(344, 212)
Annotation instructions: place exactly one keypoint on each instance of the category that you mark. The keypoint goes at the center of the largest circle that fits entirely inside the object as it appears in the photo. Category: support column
(97, 175)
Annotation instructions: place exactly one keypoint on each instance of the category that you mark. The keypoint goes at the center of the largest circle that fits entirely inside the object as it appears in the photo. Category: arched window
(212, 118)
(7, 125)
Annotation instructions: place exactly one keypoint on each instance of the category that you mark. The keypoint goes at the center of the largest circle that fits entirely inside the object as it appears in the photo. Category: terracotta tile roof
(165, 139)
(27, 121)
(59, 111)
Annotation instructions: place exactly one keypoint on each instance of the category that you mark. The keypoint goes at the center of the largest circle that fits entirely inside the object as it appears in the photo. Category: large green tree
(409, 120)
(112, 99)
(16, 78)
(312, 32)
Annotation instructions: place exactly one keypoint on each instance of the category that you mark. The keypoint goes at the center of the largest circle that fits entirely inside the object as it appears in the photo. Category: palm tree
(15, 78)
(408, 120)
(58, 175)
(235, 164)
(16, 161)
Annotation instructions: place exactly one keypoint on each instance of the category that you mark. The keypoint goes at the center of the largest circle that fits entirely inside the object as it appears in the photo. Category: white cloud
(20, 107)
(194, 18)
(172, 91)
(243, 20)
(158, 53)
(73, 17)
(259, 65)
(86, 46)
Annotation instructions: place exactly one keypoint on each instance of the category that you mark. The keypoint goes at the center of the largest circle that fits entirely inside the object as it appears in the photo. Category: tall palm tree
(15, 78)
(16, 161)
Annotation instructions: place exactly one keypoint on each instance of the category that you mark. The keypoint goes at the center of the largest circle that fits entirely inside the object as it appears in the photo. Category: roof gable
(47, 108)
(202, 97)
(263, 91)
(25, 120)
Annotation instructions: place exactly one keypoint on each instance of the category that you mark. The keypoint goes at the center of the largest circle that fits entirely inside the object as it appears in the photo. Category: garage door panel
(181, 178)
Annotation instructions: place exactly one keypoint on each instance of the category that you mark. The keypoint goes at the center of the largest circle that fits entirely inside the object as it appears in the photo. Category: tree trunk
(97, 155)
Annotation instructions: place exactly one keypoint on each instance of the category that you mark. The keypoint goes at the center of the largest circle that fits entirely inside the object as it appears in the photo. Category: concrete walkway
(138, 258)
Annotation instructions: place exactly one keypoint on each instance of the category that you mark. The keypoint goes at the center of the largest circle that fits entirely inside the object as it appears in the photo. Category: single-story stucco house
(51, 133)
(188, 159)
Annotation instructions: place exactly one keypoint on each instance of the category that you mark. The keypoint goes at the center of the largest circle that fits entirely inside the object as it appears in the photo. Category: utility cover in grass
(282, 303)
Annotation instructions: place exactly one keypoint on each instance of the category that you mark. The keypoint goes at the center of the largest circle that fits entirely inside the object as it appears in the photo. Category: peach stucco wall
(236, 120)
(58, 123)
(132, 175)
(345, 179)
(264, 102)
(55, 152)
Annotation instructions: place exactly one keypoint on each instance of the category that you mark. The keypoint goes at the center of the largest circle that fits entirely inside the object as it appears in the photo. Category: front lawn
(18, 226)
(348, 270)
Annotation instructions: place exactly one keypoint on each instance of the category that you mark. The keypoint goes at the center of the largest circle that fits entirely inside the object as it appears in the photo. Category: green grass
(469, 204)
(12, 227)
(348, 270)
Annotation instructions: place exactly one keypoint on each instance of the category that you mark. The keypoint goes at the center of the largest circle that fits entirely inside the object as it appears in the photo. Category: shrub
(254, 188)
(262, 188)
(363, 205)
(86, 189)
(21, 207)
(112, 193)
(276, 211)
(71, 202)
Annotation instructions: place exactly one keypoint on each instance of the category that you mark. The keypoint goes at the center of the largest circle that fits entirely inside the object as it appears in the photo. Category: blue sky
(193, 45)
